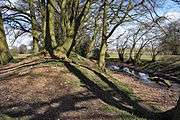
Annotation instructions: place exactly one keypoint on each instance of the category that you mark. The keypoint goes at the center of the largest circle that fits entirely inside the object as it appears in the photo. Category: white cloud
(173, 15)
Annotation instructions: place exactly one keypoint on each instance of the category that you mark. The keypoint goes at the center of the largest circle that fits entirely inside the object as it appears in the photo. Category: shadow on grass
(115, 97)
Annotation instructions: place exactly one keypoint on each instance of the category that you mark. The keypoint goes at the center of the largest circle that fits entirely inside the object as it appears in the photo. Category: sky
(170, 9)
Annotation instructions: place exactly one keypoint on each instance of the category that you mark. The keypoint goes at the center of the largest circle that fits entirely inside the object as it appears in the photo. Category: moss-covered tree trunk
(5, 55)
(48, 41)
(103, 47)
(93, 40)
(51, 7)
(68, 40)
(67, 29)
(102, 54)
(90, 48)
(121, 57)
(70, 25)
(34, 27)
(43, 20)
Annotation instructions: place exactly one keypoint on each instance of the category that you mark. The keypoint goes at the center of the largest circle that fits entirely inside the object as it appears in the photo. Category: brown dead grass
(41, 91)
(47, 92)
(160, 97)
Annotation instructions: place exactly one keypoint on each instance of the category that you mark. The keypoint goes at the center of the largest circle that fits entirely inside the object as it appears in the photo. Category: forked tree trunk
(70, 27)
(5, 55)
(64, 49)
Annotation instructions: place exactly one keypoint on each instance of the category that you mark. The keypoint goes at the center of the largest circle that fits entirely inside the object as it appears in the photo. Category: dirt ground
(33, 89)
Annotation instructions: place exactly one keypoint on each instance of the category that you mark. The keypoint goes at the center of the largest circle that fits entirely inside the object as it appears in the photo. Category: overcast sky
(169, 9)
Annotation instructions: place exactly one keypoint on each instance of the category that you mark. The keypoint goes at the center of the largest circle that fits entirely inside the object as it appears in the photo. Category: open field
(147, 57)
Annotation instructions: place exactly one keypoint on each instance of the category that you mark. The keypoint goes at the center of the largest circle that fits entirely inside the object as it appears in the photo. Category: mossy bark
(93, 40)
(63, 50)
(90, 48)
(35, 33)
(52, 22)
(70, 25)
(48, 41)
(5, 55)
(103, 48)
(102, 55)
(43, 20)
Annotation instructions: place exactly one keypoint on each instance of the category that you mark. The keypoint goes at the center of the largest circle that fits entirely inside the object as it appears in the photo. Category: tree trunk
(90, 48)
(52, 22)
(34, 28)
(130, 60)
(43, 27)
(121, 57)
(5, 55)
(48, 41)
(70, 27)
(103, 48)
(153, 58)
(93, 40)
(64, 49)
(102, 55)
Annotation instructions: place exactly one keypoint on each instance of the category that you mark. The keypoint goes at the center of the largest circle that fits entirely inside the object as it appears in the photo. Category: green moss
(5, 117)
(36, 75)
(121, 115)
(52, 23)
(55, 63)
(5, 55)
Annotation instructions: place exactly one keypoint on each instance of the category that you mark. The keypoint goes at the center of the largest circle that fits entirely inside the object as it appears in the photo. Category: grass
(5, 117)
(55, 64)
(147, 57)
(122, 115)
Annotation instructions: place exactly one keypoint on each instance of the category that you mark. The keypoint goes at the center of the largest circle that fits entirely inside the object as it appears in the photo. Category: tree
(121, 46)
(48, 41)
(51, 5)
(5, 55)
(72, 15)
(103, 47)
(116, 15)
(35, 33)
(22, 49)
(170, 42)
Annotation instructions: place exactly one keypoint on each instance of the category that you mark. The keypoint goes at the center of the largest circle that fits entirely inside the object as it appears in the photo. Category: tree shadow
(48, 110)
(116, 97)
